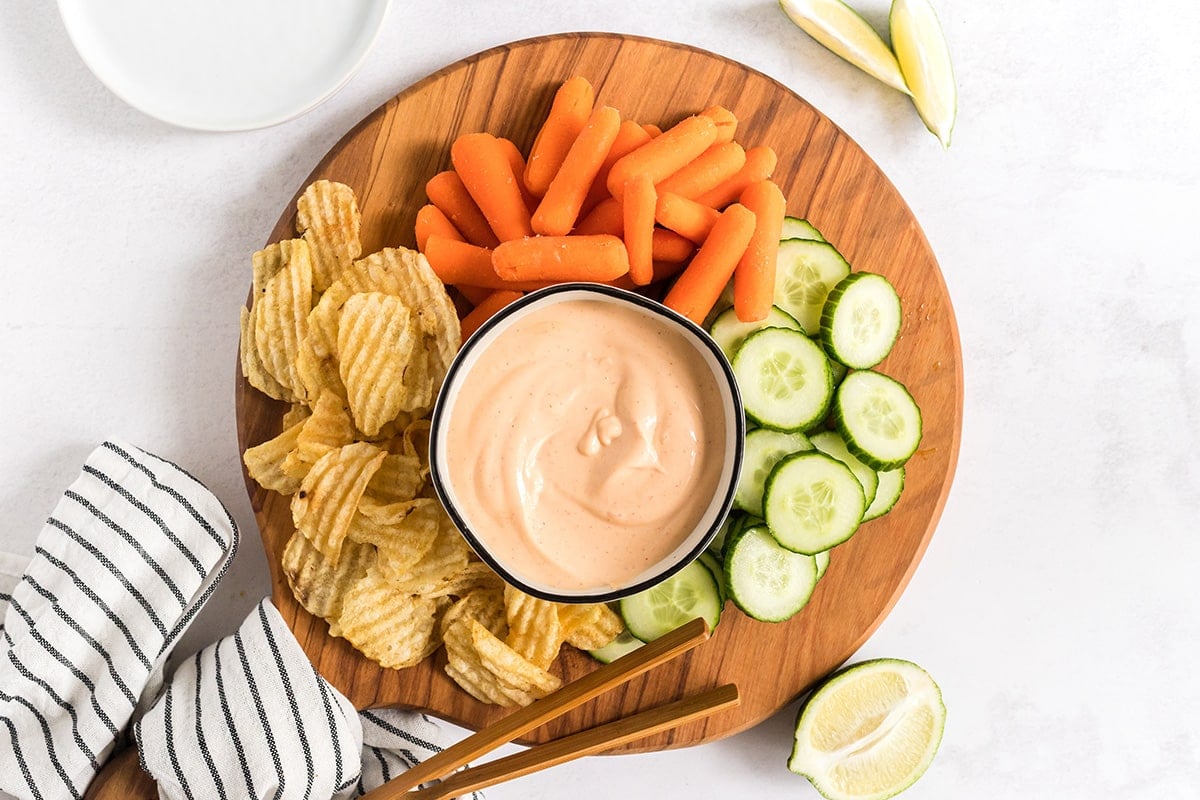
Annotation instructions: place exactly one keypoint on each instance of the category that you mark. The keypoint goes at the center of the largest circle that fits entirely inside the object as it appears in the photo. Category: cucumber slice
(768, 582)
(813, 502)
(891, 484)
(805, 272)
(878, 418)
(713, 565)
(625, 643)
(838, 371)
(729, 332)
(796, 228)
(822, 563)
(692, 592)
(861, 320)
(831, 444)
(784, 378)
(764, 448)
(717, 545)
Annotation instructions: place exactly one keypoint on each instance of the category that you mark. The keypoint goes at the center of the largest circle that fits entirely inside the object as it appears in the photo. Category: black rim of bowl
(739, 420)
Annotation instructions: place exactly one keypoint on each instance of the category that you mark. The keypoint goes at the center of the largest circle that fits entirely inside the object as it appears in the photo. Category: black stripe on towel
(200, 740)
(168, 732)
(281, 781)
(224, 703)
(50, 752)
(287, 687)
(24, 672)
(337, 751)
(16, 749)
(403, 734)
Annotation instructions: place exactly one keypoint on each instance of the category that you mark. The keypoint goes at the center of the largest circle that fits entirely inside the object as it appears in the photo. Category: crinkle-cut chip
(406, 274)
(323, 319)
(281, 318)
(419, 385)
(484, 605)
(252, 367)
(416, 440)
(328, 219)
(509, 666)
(376, 341)
(465, 668)
(589, 626)
(394, 629)
(328, 498)
(397, 513)
(328, 428)
(533, 627)
(264, 462)
(272, 258)
(318, 584)
(317, 375)
(398, 479)
(472, 657)
(296, 414)
(403, 541)
(475, 575)
(445, 558)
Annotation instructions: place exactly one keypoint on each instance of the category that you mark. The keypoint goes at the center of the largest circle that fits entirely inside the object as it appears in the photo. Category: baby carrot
(481, 163)
(464, 264)
(686, 217)
(697, 289)
(711, 168)
(561, 258)
(474, 294)
(670, 246)
(760, 163)
(754, 278)
(517, 162)
(726, 122)
(484, 311)
(568, 114)
(664, 154)
(638, 207)
(446, 191)
(662, 271)
(608, 217)
(430, 220)
(652, 130)
(629, 137)
(559, 209)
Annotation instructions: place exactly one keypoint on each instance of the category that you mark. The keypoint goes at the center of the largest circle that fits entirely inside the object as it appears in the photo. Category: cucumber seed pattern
(782, 376)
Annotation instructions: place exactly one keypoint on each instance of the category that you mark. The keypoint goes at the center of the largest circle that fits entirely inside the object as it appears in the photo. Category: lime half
(924, 60)
(869, 731)
(841, 29)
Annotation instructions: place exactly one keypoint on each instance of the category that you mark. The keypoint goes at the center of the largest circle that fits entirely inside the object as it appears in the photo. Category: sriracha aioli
(585, 443)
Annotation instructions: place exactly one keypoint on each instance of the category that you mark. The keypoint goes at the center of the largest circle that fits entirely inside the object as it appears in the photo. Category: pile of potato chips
(359, 346)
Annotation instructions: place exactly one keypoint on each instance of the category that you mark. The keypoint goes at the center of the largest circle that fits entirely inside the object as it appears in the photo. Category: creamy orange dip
(585, 443)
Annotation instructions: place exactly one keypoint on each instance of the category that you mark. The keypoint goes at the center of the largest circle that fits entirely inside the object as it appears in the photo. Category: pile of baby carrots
(607, 200)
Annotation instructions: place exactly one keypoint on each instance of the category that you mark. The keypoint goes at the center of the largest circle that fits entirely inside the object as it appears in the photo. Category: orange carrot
(697, 289)
(561, 258)
(662, 271)
(517, 162)
(760, 163)
(557, 213)
(481, 163)
(754, 278)
(446, 191)
(630, 136)
(686, 217)
(652, 130)
(670, 246)
(638, 207)
(430, 220)
(484, 311)
(711, 168)
(608, 217)
(568, 114)
(474, 294)
(664, 154)
(464, 264)
(726, 122)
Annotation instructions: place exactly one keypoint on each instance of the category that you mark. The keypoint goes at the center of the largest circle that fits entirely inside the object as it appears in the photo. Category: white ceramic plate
(223, 65)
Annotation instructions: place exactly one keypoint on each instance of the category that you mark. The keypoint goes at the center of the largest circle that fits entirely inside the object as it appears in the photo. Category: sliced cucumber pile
(692, 592)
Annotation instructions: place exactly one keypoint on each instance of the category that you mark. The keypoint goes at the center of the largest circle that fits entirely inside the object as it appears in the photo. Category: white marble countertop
(1054, 604)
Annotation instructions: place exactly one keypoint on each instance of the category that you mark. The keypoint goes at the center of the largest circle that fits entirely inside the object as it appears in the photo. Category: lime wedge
(925, 62)
(840, 28)
(869, 731)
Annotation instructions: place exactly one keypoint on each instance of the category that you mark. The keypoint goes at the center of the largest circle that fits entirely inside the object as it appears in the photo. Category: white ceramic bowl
(717, 506)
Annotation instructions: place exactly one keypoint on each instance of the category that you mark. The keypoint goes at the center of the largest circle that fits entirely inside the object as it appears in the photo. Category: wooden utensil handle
(122, 779)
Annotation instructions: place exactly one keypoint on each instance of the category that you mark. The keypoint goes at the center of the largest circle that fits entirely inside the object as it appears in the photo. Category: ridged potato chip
(376, 343)
(490, 670)
(475, 575)
(533, 627)
(323, 319)
(484, 605)
(328, 219)
(402, 532)
(327, 428)
(281, 318)
(296, 414)
(317, 375)
(252, 366)
(264, 462)
(328, 498)
(444, 559)
(272, 258)
(399, 478)
(589, 626)
(394, 629)
(319, 584)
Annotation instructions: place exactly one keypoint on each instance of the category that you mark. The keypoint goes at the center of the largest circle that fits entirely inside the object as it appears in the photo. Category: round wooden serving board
(827, 178)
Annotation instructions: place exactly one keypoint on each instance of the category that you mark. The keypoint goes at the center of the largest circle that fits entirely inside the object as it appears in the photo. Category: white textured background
(1056, 606)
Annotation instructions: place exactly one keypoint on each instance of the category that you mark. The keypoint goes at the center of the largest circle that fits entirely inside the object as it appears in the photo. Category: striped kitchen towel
(128, 556)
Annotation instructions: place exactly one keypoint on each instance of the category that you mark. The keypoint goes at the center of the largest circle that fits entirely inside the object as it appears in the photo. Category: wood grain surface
(827, 178)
